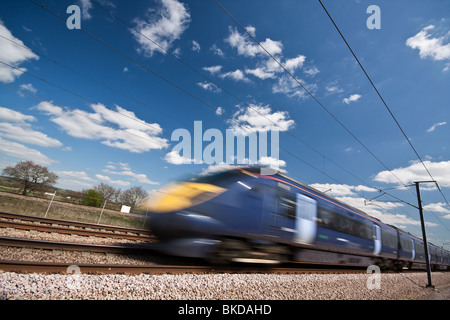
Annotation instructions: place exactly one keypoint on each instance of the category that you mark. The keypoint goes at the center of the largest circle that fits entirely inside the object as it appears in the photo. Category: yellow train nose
(181, 196)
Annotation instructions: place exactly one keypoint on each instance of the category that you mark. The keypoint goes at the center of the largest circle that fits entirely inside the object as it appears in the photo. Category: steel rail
(57, 267)
(70, 246)
(10, 215)
(77, 231)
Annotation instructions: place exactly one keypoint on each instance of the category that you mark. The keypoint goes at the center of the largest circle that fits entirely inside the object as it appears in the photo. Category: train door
(377, 240)
(306, 219)
(413, 250)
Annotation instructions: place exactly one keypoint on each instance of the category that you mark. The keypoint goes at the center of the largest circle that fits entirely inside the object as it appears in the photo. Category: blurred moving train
(241, 215)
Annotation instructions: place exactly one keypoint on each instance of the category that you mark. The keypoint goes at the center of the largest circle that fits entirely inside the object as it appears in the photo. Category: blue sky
(94, 113)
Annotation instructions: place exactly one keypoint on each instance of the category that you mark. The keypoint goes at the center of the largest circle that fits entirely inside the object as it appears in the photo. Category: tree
(92, 198)
(106, 191)
(133, 196)
(31, 176)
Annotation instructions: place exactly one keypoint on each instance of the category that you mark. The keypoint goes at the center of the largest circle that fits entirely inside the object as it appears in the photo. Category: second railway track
(24, 222)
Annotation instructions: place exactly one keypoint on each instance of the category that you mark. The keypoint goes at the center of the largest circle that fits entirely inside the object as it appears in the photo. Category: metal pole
(424, 235)
(101, 212)
(45, 216)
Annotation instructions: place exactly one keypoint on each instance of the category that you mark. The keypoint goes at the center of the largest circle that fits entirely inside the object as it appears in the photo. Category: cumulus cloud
(163, 26)
(174, 157)
(213, 69)
(430, 47)
(260, 118)
(340, 190)
(352, 98)
(209, 86)
(13, 55)
(119, 129)
(237, 75)
(266, 67)
(416, 172)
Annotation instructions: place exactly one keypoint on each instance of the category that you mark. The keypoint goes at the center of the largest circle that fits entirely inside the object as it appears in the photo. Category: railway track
(84, 268)
(10, 220)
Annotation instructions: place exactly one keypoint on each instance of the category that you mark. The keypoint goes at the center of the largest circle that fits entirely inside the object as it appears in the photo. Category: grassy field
(59, 210)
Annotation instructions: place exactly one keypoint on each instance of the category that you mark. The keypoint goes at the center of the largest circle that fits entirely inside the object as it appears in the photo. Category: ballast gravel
(399, 286)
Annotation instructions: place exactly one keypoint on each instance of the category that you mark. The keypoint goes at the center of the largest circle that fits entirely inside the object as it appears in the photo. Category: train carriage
(241, 215)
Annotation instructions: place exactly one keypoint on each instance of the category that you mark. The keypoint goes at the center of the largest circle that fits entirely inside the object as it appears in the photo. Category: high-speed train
(242, 215)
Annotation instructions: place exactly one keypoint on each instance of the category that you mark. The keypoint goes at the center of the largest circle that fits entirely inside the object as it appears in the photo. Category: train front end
(190, 217)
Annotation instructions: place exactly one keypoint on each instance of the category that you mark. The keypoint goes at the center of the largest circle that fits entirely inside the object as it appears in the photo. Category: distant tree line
(96, 196)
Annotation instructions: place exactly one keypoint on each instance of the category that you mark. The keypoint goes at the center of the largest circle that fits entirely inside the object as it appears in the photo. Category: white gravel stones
(217, 286)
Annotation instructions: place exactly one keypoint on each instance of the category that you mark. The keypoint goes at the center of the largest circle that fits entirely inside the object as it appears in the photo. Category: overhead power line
(308, 92)
(382, 100)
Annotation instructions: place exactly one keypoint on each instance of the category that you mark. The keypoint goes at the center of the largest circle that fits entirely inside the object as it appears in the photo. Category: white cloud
(120, 129)
(340, 190)
(125, 170)
(352, 98)
(416, 172)
(440, 207)
(213, 69)
(434, 126)
(291, 88)
(25, 134)
(195, 46)
(237, 75)
(244, 46)
(22, 152)
(295, 63)
(266, 67)
(260, 118)
(209, 86)
(430, 47)
(174, 157)
(261, 73)
(163, 26)
(14, 116)
(13, 55)
(28, 87)
(333, 87)
(111, 181)
(217, 51)
(272, 162)
(13, 126)
(75, 174)
(311, 71)
(86, 6)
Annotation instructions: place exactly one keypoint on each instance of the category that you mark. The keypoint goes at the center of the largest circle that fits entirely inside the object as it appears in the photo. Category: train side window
(287, 203)
(342, 223)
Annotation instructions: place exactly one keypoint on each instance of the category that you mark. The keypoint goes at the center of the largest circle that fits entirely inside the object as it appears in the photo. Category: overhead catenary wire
(307, 91)
(384, 103)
